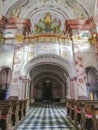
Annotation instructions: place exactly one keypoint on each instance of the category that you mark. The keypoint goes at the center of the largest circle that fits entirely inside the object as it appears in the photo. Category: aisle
(46, 117)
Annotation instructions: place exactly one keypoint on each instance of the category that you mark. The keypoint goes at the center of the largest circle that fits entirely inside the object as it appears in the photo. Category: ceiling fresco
(36, 11)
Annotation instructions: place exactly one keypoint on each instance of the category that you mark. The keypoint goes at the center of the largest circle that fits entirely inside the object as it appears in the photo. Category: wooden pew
(15, 110)
(72, 111)
(85, 114)
(22, 108)
(70, 104)
(68, 108)
(15, 103)
(11, 111)
(89, 115)
(95, 113)
(5, 116)
(78, 116)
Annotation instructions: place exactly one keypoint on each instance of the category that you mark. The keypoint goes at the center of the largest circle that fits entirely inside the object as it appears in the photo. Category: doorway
(44, 67)
(47, 90)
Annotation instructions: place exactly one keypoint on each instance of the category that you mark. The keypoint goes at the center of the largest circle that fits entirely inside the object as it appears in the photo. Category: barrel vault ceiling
(59, 9)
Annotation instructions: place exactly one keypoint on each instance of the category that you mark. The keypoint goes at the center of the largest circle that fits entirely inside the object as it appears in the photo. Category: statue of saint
(40, 26)
(54, 25)
(47, 22)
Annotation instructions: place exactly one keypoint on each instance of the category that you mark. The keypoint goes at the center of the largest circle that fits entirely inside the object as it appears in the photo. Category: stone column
(27, 94)
(16, 68)
(32, 92)
(1, 7)
(78, 79)
(68, 88)
(63, 92)
(23, 88)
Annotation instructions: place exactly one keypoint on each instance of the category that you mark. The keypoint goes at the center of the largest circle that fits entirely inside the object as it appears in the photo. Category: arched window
(5, 81)
(92, 84)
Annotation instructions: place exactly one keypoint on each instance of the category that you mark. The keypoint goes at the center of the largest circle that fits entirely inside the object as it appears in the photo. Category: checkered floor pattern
(46, 117)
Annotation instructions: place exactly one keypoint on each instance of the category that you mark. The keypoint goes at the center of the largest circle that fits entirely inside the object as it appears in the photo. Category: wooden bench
(78, 116)
(5, 116)
(95, 110)
(11, 111)
(88, 117)
(22, 108)
(15, 110)
(83, 114)
(68, 105)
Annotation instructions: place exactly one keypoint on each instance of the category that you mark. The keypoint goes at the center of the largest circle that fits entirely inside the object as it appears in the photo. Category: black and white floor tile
(46, 117)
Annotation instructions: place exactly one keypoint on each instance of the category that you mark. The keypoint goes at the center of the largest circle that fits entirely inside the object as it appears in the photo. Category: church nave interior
(48, 65)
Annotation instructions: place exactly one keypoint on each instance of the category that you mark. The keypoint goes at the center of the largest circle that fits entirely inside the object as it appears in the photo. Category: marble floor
(46, 116)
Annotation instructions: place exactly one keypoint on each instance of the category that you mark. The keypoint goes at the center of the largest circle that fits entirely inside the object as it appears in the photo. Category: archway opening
(48, 68)
(48, 82)
(92, 83)
(47, 90)
(5, 81)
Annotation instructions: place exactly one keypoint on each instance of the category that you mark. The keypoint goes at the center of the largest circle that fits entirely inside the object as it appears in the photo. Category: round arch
(50, 59)
(5, 81)
(64, 6)
(49, 66)
(92, 82)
